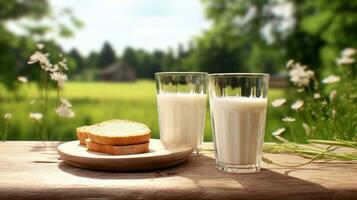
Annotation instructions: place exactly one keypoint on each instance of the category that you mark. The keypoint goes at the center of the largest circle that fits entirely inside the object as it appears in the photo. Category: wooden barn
(118, 72)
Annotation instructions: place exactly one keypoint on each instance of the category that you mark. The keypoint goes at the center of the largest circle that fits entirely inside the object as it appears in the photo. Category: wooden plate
(158, 157)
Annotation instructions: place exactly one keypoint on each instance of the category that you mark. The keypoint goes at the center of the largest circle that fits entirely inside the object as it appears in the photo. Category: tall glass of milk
(181, 102)
(238, 103)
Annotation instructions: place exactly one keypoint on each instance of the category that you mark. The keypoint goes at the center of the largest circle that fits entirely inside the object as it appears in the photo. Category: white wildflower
(348, 52)
(55, 68)
(290, 63)
(40, 46)
(324, 103)
(66, 103)
(317, 95)
(36, 116)
(297, 105)
(333, 95)
(306, 128)
(63, 64)
(288, 119)
(22, 79)
(42, 59)
(300, 76)
(333, 114)
(65, 111)
(59, 77)
(300, 90)
(278, 102)
(345, 61)
(278, 132)
(331, 79)
(7, 116)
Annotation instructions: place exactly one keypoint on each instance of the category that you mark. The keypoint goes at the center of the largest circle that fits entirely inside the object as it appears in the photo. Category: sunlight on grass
(94, 102)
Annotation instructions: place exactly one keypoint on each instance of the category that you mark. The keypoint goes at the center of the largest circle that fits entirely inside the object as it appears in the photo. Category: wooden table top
(32, 170)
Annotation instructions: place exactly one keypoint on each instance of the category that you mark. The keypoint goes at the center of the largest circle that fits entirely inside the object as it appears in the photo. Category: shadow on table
(151, 174)
(201, 172)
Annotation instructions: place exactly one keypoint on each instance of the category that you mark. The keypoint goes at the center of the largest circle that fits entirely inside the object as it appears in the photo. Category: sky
(154, 24)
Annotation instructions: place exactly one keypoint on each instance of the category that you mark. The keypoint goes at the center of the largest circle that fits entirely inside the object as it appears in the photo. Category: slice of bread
(118, 150)
(118, 132)
(82, 134)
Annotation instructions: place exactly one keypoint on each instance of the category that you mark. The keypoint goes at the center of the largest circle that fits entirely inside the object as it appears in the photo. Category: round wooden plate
(158, 157)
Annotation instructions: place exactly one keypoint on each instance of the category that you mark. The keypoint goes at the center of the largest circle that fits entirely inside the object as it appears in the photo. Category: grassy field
(94, 102)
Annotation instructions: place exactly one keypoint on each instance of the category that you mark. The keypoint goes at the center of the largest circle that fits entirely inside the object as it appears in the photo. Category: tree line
(245, 36)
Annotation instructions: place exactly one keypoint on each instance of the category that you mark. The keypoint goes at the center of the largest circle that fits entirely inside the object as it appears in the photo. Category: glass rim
(239, 75)
(180, 73)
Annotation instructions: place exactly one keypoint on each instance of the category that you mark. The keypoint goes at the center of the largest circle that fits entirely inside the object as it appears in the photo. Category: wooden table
(32, 170)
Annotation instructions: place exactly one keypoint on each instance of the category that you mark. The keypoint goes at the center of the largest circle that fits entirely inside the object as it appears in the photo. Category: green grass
(94, 102)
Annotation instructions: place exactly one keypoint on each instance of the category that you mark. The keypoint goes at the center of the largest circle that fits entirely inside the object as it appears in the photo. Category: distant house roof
(118, 72)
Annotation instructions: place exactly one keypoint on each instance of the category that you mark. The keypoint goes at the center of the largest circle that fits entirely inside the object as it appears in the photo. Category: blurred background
(114, 48)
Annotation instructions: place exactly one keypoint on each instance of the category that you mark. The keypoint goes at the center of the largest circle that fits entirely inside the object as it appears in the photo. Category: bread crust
(117, 150)
(82, 134)
(118, 140)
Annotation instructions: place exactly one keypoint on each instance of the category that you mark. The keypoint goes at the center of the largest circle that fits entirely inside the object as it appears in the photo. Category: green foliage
(322, 29)
(235, 43)
(107, 56)
(329, 106)
(15, 49)
(18, 9)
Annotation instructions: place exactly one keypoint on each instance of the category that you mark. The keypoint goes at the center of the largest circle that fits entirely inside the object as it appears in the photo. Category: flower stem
(301, 164)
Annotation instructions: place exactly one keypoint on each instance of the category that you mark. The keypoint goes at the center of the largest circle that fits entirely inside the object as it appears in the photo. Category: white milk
(239, 124)
(182, 119)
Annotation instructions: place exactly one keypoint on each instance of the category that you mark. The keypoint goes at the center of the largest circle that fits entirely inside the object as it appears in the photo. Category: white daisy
(317, 95)
(331, 79)
(278, 132)
(40, 46)
(345, 61)
(7, 116)
(299, 76)
(278, 102)
(297, 105)
(36, 116)
(288, 119)
(348, 52)
(22, 79)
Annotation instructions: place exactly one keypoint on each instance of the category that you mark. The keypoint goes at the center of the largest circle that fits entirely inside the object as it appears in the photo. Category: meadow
(94, 102)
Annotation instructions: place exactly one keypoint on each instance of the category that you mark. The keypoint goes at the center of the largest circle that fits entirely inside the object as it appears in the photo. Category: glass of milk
(238, 103)
(181, 102)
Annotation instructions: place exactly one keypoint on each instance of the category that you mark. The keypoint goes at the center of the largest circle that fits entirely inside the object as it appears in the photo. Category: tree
(236, 31)
(15, 49)
(317, 31)
(321, 30)
(12, 47)
(107, 56)
(77, 57)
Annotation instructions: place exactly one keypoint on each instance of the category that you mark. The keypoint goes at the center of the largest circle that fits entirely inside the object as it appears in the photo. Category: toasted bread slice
(118, 132)
(82, 134)
(118, 150)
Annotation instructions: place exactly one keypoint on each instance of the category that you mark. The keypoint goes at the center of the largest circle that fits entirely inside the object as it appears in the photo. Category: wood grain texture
(32, 170)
